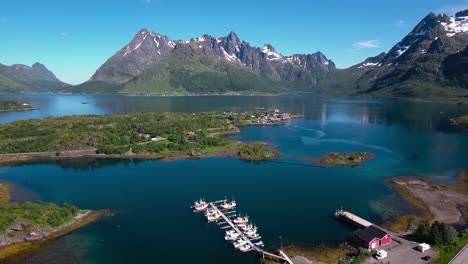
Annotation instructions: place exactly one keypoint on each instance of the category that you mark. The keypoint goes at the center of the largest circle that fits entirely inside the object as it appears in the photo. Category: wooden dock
(265, 254)
(352, 218)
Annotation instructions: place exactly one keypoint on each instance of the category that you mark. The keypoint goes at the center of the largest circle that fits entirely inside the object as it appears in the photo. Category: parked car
(426, 258)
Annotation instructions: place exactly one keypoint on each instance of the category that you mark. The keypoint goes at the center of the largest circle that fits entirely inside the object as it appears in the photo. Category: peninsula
(25, 227)
(13, 106)
(166, 136)
(461, 121)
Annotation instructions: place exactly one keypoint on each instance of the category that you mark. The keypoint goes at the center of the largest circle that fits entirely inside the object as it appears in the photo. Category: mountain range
(430, 62)
(22, 78)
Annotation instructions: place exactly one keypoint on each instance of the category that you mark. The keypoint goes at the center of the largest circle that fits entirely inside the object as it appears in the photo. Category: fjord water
(153, 222)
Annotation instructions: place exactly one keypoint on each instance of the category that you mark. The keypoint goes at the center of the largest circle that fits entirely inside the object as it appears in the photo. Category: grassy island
(461, 121)
(345, 159)
(25, 227)
(256, 152)
(12, 106)
(141, 135)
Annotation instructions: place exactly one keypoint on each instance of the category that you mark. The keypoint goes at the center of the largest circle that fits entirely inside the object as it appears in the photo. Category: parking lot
(403, 251)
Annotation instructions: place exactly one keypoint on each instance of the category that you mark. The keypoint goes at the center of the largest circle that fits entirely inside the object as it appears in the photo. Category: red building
(372, 237)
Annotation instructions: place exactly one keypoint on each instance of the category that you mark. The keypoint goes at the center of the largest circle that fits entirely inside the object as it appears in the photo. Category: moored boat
(232, 237)
(245, 248)
(230, 205)
(241, 220)
(200, 205)
(259, 244)
(239, 243)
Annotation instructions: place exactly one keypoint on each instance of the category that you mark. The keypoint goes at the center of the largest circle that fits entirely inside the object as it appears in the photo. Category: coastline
(451, 100)
(447, 203)
(18, 247)
(6, 159)
(24, 248)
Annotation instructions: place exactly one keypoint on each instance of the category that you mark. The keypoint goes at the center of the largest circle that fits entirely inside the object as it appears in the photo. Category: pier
(352, 218)
(228, 223)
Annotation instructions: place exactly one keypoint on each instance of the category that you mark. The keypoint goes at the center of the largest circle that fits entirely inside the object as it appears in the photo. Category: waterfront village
(370, 243)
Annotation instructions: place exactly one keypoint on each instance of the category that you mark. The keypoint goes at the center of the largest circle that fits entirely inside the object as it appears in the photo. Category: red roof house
(372, 237)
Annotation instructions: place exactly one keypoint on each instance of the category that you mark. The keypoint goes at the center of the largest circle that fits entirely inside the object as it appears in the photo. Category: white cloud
(63, 34)
(3, 20)
(367, 44)
(399, 23)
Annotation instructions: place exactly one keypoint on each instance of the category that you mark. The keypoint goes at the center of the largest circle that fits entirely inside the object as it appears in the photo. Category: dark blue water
(154, 223)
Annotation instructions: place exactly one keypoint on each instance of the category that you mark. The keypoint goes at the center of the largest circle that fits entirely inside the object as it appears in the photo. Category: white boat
(245, 248)
(253, 236)
(259, 244)
(230, 205)
(251, 231)
(247, 227)
(230, 232)
(232, 237)
(239, 243)
(241, 220)
(199, 202)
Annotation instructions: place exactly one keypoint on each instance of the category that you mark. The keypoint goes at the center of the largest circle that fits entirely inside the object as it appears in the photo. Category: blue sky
(73, 38)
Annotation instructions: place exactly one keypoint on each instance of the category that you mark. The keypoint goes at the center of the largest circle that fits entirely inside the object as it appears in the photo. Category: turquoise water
(154, 224)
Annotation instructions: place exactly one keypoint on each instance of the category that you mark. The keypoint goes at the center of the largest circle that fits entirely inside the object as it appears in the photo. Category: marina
(242, 234)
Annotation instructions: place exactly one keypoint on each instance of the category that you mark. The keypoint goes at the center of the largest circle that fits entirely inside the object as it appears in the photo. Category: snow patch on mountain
(455, 26)
(369, 64)
(271, 54)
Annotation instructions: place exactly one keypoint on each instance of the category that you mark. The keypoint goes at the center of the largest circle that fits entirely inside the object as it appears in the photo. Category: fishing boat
(227, 206)
(245, 248)
(253, 236)
(230, 232)
(200, 205)
(241, 220)
(248, 227)
(232, 237)
(239, 243)
(259, 244)
(251, 231)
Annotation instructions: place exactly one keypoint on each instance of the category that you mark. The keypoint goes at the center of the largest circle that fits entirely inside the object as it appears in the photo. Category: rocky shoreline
(22, 236)
(446, 203)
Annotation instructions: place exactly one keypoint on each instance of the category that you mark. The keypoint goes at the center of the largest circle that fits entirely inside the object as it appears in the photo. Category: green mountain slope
(20, 78)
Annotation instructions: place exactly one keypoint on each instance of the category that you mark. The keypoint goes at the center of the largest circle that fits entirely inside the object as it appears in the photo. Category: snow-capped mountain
(148, 49)
(417, 66)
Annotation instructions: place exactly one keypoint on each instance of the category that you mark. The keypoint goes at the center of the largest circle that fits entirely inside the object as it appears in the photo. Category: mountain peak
(463, 13)
(143, 30)
(233, 37)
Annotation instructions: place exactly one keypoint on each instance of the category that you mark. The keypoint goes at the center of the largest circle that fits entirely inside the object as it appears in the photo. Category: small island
(163, 136)
(345, 159)
(13, 106)
(24, 227)
(461, 121)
